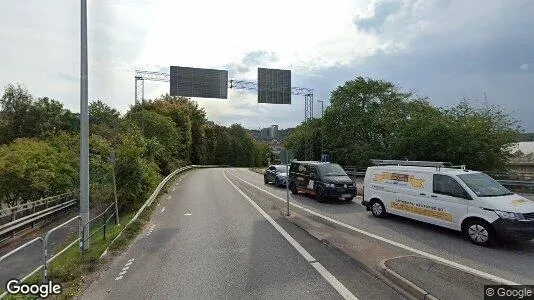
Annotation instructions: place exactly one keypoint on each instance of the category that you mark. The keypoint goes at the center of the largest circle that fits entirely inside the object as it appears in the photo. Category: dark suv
(322, 179)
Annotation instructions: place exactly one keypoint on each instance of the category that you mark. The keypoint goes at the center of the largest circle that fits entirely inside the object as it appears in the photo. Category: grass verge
(73, 271)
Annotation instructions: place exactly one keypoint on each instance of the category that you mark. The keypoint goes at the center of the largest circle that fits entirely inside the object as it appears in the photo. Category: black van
(322, 179)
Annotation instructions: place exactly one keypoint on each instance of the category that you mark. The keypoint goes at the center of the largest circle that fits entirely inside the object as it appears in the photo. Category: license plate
(346, 195)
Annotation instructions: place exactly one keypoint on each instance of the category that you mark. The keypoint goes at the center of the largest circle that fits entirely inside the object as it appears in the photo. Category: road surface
(211, 240)
(509, 261)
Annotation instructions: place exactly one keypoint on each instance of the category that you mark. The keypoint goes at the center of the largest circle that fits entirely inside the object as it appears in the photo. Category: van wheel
(293, 189)
(480, 233)
(265, 180)
(276, 183)
(319, 195)
(378, 209)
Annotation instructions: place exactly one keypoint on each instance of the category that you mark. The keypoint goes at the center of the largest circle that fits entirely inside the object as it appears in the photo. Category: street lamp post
(84, 128)
(322, 126)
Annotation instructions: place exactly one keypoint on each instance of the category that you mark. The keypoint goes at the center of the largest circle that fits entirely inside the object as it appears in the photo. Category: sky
(441, 49)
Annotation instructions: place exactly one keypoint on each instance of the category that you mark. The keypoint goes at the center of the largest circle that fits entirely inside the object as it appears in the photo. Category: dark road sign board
(196, 82)
(274, 86)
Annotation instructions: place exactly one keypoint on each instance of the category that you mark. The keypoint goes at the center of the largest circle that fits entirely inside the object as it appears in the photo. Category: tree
(241, 146)
(163, 139)
(22, 116)
(30, 169)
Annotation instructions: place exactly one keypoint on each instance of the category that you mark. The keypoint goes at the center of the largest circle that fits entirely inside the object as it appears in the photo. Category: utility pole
(322, 127)
(84, 128)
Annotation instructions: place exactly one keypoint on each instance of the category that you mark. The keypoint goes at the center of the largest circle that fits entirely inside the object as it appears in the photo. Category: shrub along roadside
(71, 270)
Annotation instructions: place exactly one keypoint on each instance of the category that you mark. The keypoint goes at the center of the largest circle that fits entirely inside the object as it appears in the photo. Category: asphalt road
(209, 241)
(509, 261)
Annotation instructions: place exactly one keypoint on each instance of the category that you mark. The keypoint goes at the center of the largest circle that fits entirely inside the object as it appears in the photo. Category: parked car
(276, 174)
(324, 180)
(447, 196)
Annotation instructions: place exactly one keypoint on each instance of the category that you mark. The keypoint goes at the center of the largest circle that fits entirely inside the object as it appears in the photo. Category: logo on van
(302, 168)
(398, 177)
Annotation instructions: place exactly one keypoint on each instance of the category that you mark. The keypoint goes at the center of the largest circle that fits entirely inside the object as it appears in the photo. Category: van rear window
(483, 185)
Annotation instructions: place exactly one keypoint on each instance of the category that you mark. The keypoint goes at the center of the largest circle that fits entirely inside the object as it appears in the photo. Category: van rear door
(380, 185)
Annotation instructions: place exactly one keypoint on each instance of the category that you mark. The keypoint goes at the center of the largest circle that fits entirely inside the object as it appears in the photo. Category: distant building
(210, 123)
(273, 131)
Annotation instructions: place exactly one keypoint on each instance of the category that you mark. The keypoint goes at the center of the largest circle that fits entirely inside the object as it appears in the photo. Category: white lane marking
(420, 252)
(122, 273)
(125, 268)
(128, 264)
(174, 189)
(340, 288)
(118, 278)
(330, 278)
(131, 259)
(187, 214)
(163, 209)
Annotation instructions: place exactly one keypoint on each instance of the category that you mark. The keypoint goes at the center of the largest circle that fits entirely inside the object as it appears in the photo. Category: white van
(452, 197)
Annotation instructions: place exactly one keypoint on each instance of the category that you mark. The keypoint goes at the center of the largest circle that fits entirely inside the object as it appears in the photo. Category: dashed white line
(187, 214)
(128, 264)
(131, 259)
(163, 209)
(402, 246)
(122, 273)
(338, 286)
(118, 278)
(126, 268)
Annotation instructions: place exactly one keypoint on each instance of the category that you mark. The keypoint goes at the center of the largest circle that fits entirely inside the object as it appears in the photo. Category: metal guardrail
(20, 224)
(46, 202)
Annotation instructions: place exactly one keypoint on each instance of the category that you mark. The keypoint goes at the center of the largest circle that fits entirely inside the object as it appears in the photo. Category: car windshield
(281, 169)
(483, 185)
(331, 170)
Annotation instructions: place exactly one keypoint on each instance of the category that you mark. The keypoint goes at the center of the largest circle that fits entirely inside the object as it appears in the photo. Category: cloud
(247, 65)
(377, 14)
(443, 49)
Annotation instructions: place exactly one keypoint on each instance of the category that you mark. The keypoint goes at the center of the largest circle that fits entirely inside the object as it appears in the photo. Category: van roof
(451, 171)
(311, 162)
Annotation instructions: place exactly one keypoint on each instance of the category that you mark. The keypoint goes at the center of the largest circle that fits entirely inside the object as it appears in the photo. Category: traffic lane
(210, 243)
(354, 275)
(511, 261)
(29, 258)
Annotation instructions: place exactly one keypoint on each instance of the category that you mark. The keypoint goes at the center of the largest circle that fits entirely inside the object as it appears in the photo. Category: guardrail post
(13, 217)
(33, 211)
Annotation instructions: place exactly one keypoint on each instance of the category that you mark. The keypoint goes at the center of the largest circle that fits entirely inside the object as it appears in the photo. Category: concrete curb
(404, 283)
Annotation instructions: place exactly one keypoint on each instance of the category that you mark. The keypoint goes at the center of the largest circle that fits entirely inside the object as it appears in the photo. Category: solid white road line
(417, 251)
(338, 286)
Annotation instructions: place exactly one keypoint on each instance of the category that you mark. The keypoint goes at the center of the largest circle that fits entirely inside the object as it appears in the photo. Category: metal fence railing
(9, 229)
(105, 216)
(13, 213)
